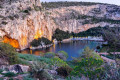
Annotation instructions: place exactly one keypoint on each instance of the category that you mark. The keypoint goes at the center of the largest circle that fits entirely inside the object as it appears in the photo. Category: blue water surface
(73, 48)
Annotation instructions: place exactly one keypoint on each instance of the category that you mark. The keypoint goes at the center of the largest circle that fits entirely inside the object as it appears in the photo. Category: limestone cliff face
(20, 30)
(81, 18)
(21, 21)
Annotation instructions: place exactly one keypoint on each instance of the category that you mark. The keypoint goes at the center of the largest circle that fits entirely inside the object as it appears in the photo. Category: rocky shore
(40, 47)
(83, 38)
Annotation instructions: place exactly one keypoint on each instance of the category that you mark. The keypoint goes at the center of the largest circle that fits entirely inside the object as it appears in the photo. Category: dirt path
(107, 59)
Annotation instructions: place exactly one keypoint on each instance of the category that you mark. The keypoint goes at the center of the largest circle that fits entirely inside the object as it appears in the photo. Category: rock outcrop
(21, 21)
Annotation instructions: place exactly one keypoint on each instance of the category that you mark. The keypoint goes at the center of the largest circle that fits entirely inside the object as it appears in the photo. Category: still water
(73, 48)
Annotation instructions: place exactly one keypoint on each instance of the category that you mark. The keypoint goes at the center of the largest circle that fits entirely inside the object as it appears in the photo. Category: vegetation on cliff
(40, 41)
(96, 31)
(59, 35)
(48, 5)
(93, 19)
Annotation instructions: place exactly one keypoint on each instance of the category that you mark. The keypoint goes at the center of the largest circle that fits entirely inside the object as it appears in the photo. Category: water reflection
(73, 48)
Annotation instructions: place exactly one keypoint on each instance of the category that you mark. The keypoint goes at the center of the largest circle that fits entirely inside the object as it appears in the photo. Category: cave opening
(11, 41)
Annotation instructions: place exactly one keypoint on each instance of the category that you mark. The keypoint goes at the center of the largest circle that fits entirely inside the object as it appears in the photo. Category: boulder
(25, 68)
(19, 68)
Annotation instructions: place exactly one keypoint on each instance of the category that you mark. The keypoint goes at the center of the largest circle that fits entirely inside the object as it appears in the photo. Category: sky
(117, 2)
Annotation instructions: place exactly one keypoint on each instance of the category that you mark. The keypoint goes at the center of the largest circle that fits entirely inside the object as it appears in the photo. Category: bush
(43, 75)
(26, 11)
(1, 71)
(36, 66)
(64, 71)
(59, 35)
(3, 22)
(39, 41)
(37, 8)
(87, 53)
(9, 74)
(58, 62)
(28, 78)
(49, 55)
(8, 53)
(89, 67)
(98, 47)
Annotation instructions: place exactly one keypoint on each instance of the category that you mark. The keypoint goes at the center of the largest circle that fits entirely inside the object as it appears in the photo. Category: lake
(73, 48)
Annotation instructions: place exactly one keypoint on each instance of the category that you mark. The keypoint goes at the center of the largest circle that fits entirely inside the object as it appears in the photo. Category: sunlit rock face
(11, 41)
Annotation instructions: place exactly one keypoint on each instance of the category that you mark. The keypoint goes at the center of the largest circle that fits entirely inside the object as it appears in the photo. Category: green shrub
(9, 74)
(49, 55)
(3, 22)
(87, 53)
(59, 35)
(98, 47)
(28, 78)
(26, 11)
(1, 70)
(37, 8)
(23, 62)
(39, 41)
(89, 67)
(36, 66)
(9, 53)
(58, 62)
(45, 60)
(64, 71)
(43, 75)
(35, 43)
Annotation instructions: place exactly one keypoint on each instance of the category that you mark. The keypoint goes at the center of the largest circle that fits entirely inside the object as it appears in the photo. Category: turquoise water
(73, 48)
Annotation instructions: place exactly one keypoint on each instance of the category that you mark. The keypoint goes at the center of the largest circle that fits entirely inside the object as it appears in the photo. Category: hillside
(80, 16)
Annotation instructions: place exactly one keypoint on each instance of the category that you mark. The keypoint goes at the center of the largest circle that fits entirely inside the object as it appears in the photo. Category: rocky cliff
(21, 21)
(82, 17)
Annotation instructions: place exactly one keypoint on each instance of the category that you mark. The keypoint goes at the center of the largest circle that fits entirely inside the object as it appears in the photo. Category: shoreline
(40, 47)
(84, 38)
(100, 39)
(34, 48)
